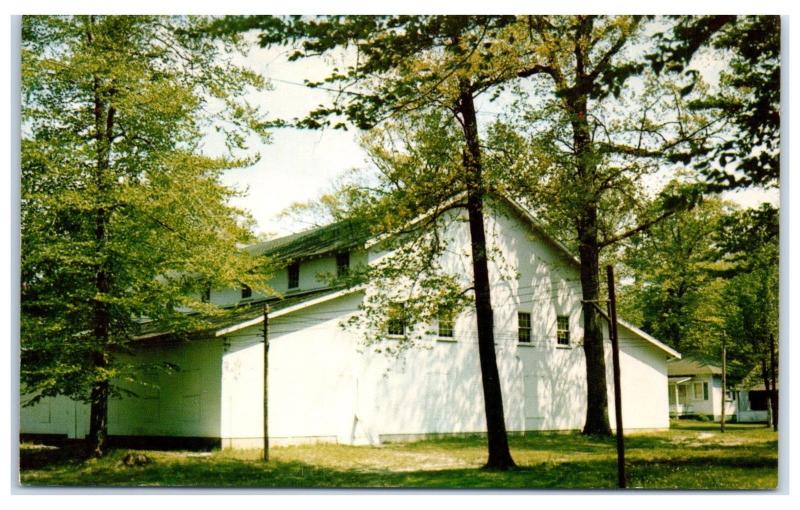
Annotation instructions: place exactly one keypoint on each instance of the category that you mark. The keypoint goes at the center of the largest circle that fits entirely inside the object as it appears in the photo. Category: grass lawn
(691, 455)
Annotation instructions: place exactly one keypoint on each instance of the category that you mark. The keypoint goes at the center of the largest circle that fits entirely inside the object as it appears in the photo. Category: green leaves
(749, 95)
(115, 189)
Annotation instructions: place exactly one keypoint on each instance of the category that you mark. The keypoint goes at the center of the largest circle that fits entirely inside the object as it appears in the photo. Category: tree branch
(639, 228)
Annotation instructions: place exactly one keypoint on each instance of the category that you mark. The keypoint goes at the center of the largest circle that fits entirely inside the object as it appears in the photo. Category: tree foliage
(675, 273)
(589, 127)
(708, 277)
(749, 96)
(124, 220)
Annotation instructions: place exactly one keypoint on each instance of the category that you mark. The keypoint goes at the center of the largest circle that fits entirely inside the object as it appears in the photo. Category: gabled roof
(573, 260)
(338, 236)
(661, 345)
(346, 234)
(692, 366)
(251, 313)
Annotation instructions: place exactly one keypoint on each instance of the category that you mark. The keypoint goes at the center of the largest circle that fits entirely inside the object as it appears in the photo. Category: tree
(592, 127)
(751, 301)
(749, 97)
(407, 65)
(708, 276)
(676, 277)
(124, 220)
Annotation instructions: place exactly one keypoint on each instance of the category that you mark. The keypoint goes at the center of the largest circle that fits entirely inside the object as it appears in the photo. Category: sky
(299, 165)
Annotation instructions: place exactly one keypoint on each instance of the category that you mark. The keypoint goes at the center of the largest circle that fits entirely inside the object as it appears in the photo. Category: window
(700, 391)
(247, 292)
(445, 326)
(562, 330)
(294, 275)
(342, 264)
(524, 320)
(396, 325)
(205, 297)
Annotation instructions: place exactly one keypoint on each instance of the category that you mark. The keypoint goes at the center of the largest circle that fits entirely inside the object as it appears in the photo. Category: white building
(325, 385)
(695, 388)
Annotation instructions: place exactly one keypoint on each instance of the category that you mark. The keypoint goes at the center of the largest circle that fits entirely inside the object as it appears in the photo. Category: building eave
(285, 311)
(660, 345)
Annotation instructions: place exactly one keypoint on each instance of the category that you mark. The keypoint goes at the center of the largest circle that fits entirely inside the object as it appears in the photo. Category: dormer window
(342, 264)
(247, 292)
(294, 275)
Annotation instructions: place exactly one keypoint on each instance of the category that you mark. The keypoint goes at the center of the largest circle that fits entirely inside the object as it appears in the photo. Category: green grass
(691, 455)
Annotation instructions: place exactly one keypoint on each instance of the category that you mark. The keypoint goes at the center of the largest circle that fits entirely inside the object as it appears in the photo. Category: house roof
(652, 340)
(285, 307)
(692, 366)
(344, 235)
(310, 243)
(251, 313)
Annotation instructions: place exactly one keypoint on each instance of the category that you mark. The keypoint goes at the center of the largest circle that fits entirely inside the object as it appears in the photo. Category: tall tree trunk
(104, 114)
(101, 319)
(593, 349)
(768, 389)
(587, 229)
(773, 375)
(499, 454)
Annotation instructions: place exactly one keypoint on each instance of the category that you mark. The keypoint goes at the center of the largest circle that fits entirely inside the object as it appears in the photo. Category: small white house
(695, 388)
(326, 385)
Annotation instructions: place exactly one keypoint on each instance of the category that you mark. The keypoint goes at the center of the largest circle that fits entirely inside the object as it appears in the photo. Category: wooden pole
(612, 331)
(774, 393)
(266, 382)
(724, 385)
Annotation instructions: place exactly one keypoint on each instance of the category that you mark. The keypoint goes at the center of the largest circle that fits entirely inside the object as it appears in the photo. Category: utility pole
(724, 385)
(266, 382)
(774, 393)
(612, 332)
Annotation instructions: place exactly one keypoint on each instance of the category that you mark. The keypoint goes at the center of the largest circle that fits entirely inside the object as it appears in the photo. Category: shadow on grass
(179, 471)
(65, 453)
(544, 441)
(683, 460)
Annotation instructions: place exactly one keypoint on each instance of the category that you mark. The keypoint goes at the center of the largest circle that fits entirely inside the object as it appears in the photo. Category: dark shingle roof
(337, 236)
(331, 238)
(692, 366)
